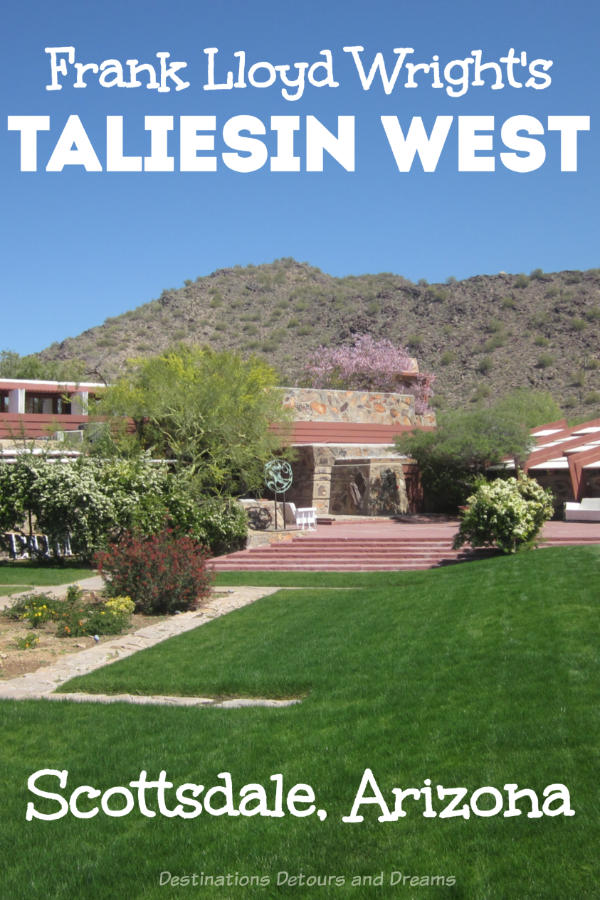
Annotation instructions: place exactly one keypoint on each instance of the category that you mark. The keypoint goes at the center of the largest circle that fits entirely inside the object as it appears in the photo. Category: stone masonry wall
(371, 487)
(349, 479)
(375, 408)
(352, 479)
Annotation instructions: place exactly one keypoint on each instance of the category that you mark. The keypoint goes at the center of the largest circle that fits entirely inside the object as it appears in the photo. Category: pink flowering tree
(371, 365)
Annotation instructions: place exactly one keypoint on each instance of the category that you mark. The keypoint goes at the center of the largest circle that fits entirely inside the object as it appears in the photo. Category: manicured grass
(7, 590)
(314, 579)
(473, 675)
(20, 575)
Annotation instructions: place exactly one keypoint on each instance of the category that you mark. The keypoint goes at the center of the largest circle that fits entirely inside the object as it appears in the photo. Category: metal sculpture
(278, 478)
(278, 475)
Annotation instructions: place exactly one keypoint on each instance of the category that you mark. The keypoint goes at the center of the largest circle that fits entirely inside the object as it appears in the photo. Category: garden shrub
(28, 642)
(506, 513)
(91, 500)
(79, 618)
(95, 501)
(35, 609)
(221, 524)
(217, 522)
(74, 615)
(163, 573)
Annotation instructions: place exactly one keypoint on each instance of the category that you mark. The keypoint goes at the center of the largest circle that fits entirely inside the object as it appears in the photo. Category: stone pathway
(42, 683)
(94, 583)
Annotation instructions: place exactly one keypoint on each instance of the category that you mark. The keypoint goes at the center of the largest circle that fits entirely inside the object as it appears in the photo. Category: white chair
(306, 517)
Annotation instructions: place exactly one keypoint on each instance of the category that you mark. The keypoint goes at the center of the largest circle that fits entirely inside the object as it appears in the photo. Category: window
(53, 404)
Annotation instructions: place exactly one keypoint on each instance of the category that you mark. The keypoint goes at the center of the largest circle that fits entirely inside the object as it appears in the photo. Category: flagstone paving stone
(41, 683)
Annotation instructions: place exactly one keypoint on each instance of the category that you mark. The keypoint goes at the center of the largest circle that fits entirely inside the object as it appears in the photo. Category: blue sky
(79, 247)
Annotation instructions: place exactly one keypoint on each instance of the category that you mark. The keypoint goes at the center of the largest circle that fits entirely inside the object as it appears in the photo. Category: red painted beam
(577, 462)
(344, 432)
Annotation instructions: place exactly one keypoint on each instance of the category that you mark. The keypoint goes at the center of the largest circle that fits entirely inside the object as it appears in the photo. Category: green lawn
(18, 576)
(318, 579)
(473, 675)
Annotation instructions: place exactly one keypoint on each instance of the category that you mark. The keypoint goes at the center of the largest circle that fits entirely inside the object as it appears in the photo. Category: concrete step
(332, 566)
(311, 553)
(348, 541)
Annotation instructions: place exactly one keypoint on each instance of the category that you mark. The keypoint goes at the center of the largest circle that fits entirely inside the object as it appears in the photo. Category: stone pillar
(16, 400)
(79, 403)
(324, 459)
(322, 489)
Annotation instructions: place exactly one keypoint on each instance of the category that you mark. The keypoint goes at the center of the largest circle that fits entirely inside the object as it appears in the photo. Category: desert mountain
(481, 336)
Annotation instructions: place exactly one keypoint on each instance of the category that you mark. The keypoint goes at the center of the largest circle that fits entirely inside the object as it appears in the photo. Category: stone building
(345, 462)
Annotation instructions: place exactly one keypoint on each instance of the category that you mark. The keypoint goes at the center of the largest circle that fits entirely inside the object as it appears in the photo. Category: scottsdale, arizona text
(150, 797)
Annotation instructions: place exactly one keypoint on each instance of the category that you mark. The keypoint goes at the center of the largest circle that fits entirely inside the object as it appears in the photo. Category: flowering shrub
(74, 616)
(94, 501)
(163, 573)
(35, 609)
(506, 513)
(27, 642)
(120, 606)
(79, 618)
(372, 366)
(90, 500)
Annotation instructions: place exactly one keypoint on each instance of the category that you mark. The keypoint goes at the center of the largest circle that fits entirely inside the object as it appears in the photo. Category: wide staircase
(310, 553)
(347, 554)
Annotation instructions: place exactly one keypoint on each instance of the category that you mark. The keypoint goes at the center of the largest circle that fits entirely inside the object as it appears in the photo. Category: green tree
(211, 412)
(467, 442)
(12, 365)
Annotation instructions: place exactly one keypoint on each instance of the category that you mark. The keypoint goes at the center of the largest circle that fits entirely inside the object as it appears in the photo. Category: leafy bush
(447, 357)
(497, 340)
(163, 573)
(91, 500)
(211, 412)
(28, 642)
(507, 514)
(94, 501)
(79, 617)
(36, 609)
(74, 615)
(220, 524)
(466, 442)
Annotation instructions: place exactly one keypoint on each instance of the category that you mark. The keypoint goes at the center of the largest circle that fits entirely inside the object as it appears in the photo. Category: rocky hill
(481, 336)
